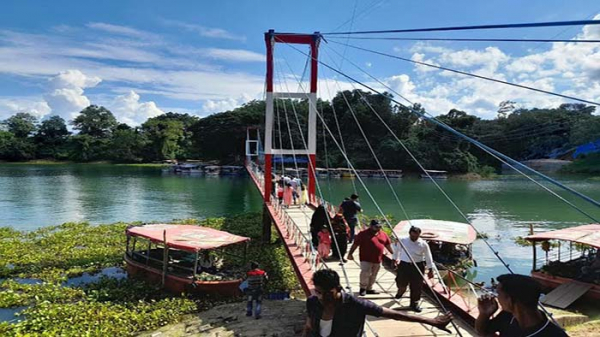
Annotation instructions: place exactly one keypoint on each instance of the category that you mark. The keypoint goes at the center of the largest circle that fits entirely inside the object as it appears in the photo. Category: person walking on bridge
(409, 272)
(372, 242)
(350, 208)
(334, 313)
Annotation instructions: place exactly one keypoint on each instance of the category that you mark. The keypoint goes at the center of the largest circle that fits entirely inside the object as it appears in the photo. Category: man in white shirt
(407, 272)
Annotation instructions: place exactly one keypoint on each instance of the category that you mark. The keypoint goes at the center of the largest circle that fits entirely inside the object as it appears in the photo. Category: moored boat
(579, 263)
(347, 173)
(170, 254)
(322, 173)
(391, 173)
(435, 174)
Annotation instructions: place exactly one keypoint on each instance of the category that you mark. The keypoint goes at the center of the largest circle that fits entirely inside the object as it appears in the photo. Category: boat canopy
(186, 237)
(439, 230)
(586, 234)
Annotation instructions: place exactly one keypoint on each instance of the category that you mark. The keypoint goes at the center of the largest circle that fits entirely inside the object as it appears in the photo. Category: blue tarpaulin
(591, 147)
(290, 160)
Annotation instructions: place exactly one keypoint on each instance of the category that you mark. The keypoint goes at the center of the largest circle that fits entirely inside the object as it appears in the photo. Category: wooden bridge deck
(293, 224)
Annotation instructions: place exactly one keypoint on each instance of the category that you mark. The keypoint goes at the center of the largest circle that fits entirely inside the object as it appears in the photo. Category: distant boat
(232, 170)
(212, 170)
(389, 173)
(347, 173)
(435, 174)
(186, 168)
(322, 173)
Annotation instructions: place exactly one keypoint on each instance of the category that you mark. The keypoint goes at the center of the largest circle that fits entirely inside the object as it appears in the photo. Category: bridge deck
(293, 224)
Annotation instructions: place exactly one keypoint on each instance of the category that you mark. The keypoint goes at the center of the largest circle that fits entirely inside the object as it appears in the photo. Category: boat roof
(186, 237)
(439, 230)
(436, 171)
(586, 234)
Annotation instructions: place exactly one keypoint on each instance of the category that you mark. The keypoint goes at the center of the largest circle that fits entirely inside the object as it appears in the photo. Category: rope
(472, 75)
(501, 157)
(499, 26)
(461, 39)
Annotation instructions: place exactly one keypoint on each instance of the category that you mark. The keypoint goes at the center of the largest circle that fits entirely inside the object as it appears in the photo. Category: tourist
(303, 195)
(372, 242)
(334, 313)
(256, 280)
(411, 266)
(294, 185)
(340, 233)
(350, 208)
(324, 243)
(280, 193)
(591, 272)
(318, 220)
(518, 295)
(287, 195)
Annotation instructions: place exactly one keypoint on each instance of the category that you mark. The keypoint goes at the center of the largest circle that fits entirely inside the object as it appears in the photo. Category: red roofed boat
(169, 254)
(567, 265)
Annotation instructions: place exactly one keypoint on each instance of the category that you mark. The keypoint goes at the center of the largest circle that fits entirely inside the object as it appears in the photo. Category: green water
(32, 196)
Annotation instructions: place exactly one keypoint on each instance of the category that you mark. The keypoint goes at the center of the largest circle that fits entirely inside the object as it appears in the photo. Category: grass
(109, 307)
(589, 164)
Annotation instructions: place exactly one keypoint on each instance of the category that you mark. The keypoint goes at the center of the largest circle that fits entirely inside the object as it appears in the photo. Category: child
(280, 193)
(256, 279)
(324, 243)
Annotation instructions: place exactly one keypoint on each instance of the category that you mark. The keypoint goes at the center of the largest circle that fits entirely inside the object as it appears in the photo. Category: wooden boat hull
(176, 284)
(551, 282)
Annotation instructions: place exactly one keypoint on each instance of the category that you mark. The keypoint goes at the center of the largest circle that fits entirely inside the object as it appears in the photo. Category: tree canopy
(520, 133)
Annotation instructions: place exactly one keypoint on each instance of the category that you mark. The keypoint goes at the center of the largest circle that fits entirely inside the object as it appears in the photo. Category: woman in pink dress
(324, 243)
(287, 195)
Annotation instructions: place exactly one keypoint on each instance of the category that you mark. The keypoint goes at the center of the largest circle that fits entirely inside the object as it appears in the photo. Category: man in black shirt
(518, 295)
(335, 313)
(350, 209)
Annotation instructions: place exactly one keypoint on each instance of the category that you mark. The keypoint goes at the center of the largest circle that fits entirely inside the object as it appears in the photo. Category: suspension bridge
(293, 223)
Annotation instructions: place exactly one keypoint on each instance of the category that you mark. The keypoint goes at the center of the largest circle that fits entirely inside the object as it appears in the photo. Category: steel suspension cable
(460, 39)
(477, 27)
(470, 74)
(496, 154)
(378, 207)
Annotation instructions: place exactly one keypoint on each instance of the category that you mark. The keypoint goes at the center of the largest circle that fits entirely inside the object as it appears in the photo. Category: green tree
(95, 121)
(164, 137)
(127, 145)
(51, 138)
(22, 125)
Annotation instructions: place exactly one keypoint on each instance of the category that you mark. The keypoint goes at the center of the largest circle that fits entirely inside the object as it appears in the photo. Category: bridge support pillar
(267, 224)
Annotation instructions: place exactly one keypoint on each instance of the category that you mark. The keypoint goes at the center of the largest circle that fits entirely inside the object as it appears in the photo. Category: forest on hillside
(97, 135)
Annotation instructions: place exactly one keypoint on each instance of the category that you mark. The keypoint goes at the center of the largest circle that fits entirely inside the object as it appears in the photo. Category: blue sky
(143, 58)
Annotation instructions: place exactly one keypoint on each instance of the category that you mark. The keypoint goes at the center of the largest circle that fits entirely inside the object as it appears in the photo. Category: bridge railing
(293, 231)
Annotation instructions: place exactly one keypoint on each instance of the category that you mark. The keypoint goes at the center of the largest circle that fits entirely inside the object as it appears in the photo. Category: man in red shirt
(371, 242)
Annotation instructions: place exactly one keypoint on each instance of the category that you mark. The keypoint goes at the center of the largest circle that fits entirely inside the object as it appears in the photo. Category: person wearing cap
(411, 266)
(350, 208)
(372, 242)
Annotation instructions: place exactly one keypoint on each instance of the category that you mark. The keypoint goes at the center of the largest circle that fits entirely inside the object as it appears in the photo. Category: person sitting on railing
(334, 313)
(518, 295)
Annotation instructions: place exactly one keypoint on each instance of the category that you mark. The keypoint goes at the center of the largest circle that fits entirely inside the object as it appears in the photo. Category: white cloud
(212, 106)
(128, 109)
(238, 55)
(66, 96)
(32, 105)
(121, 30)
(204, 31)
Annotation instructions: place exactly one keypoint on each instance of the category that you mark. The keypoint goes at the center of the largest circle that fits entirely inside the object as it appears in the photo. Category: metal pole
(196, 265)
(270, 41)
(534, 248)
(165, 258)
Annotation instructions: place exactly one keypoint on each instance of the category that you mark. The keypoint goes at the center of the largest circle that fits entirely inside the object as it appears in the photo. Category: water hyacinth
(36, 265)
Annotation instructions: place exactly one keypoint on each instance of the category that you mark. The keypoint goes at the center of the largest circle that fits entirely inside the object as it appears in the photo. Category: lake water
(32, 196)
